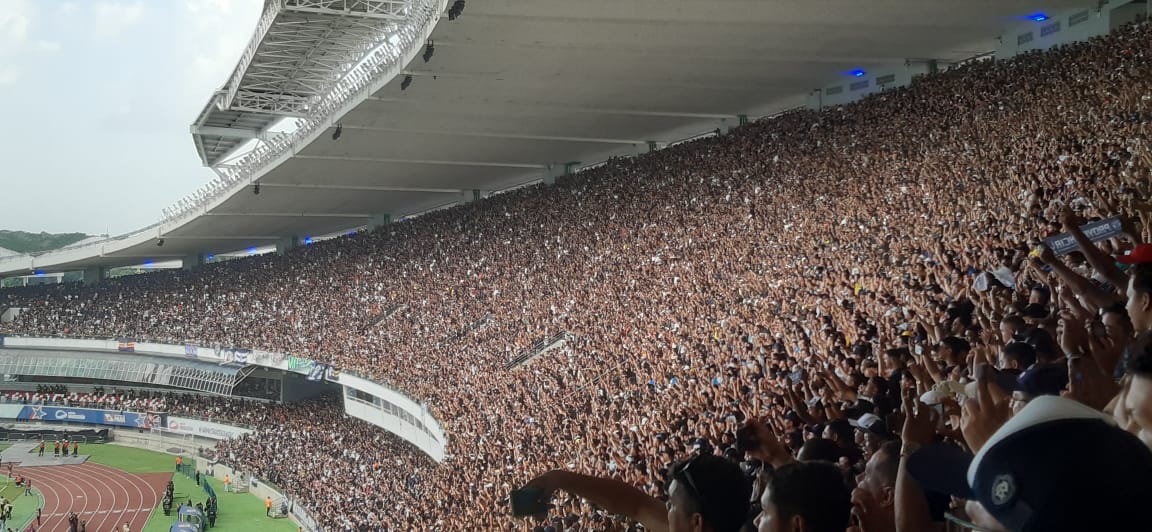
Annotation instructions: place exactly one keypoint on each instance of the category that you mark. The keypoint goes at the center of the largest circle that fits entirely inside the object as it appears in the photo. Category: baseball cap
(1141, 254)
(1056, 465)
(1039, 379)
(872, 423)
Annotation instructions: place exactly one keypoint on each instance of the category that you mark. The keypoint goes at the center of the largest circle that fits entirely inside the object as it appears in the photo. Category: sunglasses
(685, 472)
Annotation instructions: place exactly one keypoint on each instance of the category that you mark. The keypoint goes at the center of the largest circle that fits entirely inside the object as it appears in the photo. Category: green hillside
(22, 242)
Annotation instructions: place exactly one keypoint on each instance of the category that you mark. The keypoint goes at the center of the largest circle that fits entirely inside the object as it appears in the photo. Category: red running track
(104, 497)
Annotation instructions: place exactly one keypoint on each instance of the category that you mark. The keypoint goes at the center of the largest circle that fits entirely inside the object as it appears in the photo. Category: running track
(101, 495)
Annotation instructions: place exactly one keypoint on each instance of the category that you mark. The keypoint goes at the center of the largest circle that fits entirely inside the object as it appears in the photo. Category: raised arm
(612, 495)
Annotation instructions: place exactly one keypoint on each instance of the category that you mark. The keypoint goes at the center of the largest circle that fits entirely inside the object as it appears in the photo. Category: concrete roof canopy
(511, 93)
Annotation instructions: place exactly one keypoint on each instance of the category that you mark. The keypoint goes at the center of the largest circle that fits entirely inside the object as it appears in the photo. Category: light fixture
(407, 82)
(456, 9)
(256, 189)
(336, 134)
(160, 243)
(1038, 17)
(858, 73)
(428, 51)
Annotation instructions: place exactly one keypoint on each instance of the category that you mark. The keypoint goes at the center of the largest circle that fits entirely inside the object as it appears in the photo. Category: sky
(96, 99)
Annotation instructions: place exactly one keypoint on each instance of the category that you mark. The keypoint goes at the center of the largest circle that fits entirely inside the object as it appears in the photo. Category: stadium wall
(1063, 27)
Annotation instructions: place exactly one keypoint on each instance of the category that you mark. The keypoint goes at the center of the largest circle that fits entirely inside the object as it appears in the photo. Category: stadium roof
(512, 92)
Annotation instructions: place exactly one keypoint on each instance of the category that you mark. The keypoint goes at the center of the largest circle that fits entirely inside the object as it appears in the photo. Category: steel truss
(182, 375)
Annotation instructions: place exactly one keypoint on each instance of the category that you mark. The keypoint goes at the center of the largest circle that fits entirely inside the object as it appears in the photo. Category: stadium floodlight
(407, 82)
(256, 189)
(858, 73)
(339, 130)
(456, 9)
(428, 51)
(1038, 17)
(160, 243)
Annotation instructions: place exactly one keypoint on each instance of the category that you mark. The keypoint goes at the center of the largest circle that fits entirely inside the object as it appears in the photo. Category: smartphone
(527, 502)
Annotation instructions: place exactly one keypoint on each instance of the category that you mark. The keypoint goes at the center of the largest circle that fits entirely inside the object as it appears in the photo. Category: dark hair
(1141, 276)
(1021, 352)
(900, 353)
(720, 489)
(843, 430)
(1139, 356)
(815, 491)
(819, 450)
(881, 385)
(1016, 321)
(1043, 343)
(889, 466)
(958, 345)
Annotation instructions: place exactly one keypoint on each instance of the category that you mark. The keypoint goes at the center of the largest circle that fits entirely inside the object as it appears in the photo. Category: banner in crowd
(317, 372)
(191, 350)
(126, 345)
(92, 416)
(1064, 243)
(228, 355)
(205, 429)
(296, 363)
(320, 372)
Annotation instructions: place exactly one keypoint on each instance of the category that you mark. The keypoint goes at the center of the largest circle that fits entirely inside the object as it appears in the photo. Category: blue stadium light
(858, 73)
(351, 233)
(1038, 17)
(252, 251)
(211, 256)
(39, 273)
(307, 241)
(148, 264)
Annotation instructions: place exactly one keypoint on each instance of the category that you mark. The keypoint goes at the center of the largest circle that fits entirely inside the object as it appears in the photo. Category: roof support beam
(510, 136)
(307, 186)
(594, 110)
(233, 132)
(292, 214)
(207, 237)
(322, 11)
(419, 161)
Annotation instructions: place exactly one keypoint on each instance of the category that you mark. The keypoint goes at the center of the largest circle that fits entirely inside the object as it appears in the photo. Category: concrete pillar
(553, 171)
(379, 220)
(285, 244)
(93, 275)
(816, 100)
(192, 261)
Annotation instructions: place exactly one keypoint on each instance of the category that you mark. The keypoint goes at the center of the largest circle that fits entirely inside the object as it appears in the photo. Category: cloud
(223, 33)
(47, 46)
(113, 18)
(15, 19)
(9, 76)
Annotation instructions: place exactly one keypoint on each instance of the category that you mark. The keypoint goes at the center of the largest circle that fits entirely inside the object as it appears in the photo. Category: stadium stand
(808, 271)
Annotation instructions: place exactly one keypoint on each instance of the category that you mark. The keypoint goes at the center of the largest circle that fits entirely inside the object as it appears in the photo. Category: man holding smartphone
(706, 493)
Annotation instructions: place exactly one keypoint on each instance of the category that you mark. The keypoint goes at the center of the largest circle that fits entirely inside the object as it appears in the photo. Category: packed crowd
(813, 286)
(212, 408)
